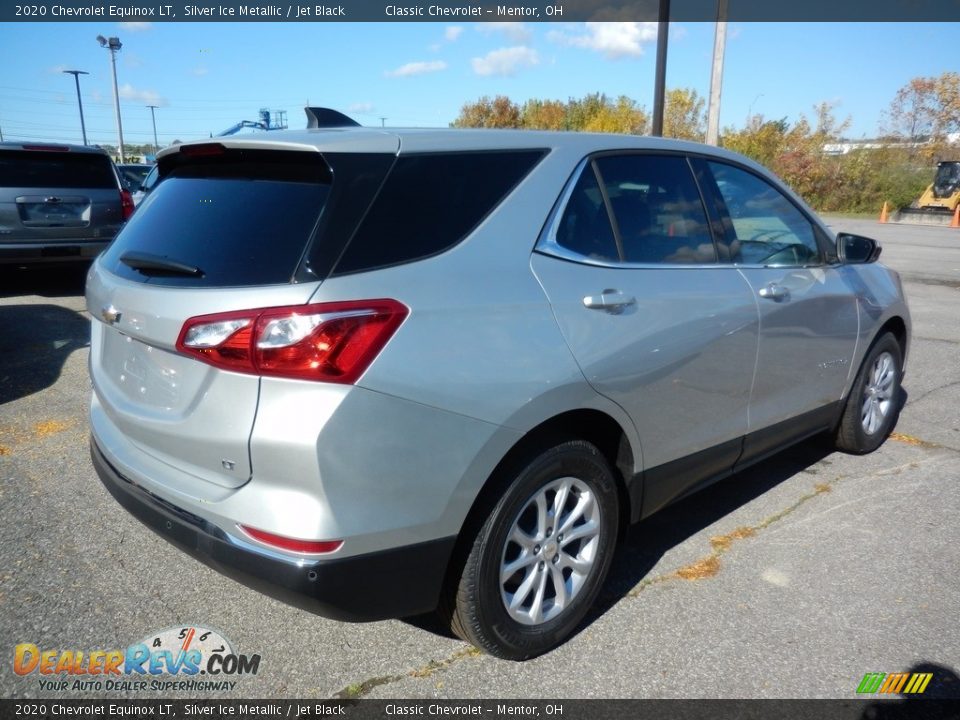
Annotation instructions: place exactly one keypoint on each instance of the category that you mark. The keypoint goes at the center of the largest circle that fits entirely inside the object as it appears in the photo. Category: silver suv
(375, 373)
(58, 202)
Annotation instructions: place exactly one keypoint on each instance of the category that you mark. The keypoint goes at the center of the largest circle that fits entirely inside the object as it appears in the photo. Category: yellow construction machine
(938, 203)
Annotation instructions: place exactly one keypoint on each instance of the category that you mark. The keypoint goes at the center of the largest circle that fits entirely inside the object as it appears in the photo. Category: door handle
(610, 300)
(774, 291)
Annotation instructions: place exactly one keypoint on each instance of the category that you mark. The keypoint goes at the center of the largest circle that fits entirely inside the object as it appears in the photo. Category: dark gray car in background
(58, 202)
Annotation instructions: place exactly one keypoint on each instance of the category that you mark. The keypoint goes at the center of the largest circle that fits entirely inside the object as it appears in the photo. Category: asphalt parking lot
(793, 579)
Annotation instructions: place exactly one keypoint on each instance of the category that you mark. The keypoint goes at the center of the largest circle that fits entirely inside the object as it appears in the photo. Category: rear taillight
(292, 544)
(126, 203)
(327, 342)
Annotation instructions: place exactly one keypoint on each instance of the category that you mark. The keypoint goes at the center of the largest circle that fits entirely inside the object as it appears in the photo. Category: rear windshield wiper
(149, 263)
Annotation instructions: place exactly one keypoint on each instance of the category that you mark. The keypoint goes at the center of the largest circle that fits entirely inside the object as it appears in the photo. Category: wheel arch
(594, 426)
(898, 327)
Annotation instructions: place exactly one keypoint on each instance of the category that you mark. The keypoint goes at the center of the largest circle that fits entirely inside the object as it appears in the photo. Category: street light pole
(660, 71)
(76, 76)
(153, 118)
(113, 45)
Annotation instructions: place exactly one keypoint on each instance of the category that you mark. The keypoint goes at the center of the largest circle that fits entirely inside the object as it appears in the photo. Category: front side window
(764, 227)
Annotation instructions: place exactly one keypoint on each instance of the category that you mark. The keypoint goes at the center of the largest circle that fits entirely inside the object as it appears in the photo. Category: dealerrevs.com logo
(178, 658)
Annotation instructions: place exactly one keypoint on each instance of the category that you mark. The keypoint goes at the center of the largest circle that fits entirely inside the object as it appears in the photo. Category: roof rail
(321, 117)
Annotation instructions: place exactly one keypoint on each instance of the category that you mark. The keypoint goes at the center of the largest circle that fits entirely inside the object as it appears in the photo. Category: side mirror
(855, 249)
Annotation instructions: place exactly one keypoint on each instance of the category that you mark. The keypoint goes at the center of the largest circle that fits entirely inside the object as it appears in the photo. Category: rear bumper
(393, 583)
(51, 252)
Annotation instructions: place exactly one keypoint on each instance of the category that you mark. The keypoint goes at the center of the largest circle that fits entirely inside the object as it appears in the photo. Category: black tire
(479, 613)
(855, 434)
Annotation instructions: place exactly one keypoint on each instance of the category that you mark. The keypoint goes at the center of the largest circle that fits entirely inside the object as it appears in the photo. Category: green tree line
(920, 118)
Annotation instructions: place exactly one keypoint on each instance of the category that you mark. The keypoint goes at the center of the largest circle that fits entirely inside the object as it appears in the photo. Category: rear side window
(49, 169)
(431, 202)
(657, 207)
(242, 218)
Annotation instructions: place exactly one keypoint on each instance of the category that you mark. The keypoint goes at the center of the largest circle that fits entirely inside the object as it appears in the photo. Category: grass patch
(704, 568)
(723, 542)
(911, 440)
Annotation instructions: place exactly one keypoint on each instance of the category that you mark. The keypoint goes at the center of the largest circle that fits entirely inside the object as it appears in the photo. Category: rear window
(240, 218)
(431, 202)
(55, 169)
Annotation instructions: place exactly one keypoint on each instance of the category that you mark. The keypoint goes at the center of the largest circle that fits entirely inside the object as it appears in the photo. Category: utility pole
(660, 74)
(113, 45)
(153, 118)
(76, 76)
(716, 80)
(383, 122)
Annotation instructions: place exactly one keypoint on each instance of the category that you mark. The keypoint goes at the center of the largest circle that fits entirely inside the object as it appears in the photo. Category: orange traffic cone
(884, 213)
(956, 217)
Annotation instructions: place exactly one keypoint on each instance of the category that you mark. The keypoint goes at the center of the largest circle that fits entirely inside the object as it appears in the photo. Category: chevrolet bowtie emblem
(110, 315)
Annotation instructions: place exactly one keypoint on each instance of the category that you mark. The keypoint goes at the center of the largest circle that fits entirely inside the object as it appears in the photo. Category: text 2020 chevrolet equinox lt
(376, 372)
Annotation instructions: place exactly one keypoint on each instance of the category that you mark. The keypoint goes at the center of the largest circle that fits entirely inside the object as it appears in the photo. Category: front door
(655, 323)
(808, 314)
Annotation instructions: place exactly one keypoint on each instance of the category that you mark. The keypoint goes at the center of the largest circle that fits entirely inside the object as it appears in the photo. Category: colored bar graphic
(894, 683)
(871, 682)
(907, 683)
(918, 683)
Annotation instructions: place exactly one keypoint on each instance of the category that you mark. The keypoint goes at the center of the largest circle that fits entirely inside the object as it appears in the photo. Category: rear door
(53, 194)
(654, 321)
(808, 312)
(225, 231)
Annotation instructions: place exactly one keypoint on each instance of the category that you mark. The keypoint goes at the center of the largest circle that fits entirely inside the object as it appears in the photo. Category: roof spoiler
(321, 117)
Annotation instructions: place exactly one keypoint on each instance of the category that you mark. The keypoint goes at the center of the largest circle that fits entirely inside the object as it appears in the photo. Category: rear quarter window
(431, 202)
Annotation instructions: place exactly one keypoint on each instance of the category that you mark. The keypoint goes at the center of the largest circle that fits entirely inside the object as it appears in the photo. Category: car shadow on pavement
(54, 280)
(34, 345)
(647, 542)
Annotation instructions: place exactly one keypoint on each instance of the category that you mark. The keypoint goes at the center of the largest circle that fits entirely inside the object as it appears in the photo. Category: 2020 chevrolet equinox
(376, 372)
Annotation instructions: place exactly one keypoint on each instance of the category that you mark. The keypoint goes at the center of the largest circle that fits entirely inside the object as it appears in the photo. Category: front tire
(874, 402)
(539, 560)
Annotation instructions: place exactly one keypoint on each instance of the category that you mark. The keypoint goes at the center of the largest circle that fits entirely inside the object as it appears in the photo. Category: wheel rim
(550, 551)
(878, 394)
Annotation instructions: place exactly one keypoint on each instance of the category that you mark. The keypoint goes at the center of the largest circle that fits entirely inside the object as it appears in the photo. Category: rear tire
(874, 402)
(540, 558)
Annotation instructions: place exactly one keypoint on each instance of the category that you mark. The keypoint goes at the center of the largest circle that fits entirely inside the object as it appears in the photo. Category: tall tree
(683, 115)
(911, 111)
(926, 110)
